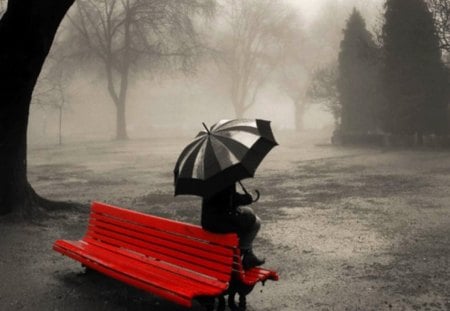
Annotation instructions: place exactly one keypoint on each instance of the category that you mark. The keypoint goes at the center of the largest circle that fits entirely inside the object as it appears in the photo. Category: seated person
(226, 212)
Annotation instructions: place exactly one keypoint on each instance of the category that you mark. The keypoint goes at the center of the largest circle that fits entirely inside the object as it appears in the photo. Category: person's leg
(246, 245)
(246, 238)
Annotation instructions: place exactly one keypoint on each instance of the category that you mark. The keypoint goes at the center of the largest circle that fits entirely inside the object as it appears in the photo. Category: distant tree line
(397, 89)
(249, 40)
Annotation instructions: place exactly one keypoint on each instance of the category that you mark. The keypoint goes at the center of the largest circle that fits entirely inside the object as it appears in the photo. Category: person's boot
(250, 260)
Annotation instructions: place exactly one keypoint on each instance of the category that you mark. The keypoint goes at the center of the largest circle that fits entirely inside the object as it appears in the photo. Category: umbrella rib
(188, 151)
(246, 129)
(235, 147)
(217, 126)
(210, 163)
(234, 123)
(228, 157)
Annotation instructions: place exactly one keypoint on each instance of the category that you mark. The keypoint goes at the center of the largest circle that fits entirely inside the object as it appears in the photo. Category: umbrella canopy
(228, 152)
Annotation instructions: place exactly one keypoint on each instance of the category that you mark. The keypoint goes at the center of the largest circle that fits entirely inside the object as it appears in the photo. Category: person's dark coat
(221, 213)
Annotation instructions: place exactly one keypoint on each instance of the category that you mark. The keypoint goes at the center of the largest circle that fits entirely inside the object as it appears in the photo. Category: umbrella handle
(257, 196)
(246, 192)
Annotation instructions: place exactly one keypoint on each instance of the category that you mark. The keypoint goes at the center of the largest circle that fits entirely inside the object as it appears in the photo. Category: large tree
(414, 77)
(295, 74)
(357, 82)
(122, 37)
(27, 30)
(294, 81)
(322, 89)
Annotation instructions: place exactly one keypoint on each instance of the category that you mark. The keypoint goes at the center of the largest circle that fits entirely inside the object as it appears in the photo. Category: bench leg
(231, 302)
(242, 302)
(242, 290)
(242, 306)
(221, 305)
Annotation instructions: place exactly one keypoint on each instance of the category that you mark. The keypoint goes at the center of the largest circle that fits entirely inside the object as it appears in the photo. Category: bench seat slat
(171, 236)
(206, 279)
(163, 239)
(229, 240)
(184, 301)
(166, 235)
(182, 286)
(197, 264)
(255, 275)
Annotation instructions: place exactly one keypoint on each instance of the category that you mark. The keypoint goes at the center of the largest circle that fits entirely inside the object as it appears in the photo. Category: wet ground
(346, 228)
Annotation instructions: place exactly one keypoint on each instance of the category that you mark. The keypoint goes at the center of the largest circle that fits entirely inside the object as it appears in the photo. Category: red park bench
(174, 260)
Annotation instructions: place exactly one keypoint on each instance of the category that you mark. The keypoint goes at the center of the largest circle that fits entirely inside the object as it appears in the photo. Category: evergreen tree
(357, 82)
(414, 77)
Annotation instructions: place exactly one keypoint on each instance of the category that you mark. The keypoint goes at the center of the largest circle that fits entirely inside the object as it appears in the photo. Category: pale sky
(309, 8)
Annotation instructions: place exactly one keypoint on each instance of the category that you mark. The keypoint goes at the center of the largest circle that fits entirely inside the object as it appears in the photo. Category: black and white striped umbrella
(229, 151)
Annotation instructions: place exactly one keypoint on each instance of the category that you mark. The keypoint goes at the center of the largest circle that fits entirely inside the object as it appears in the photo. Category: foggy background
(169, 99)
(357, 228)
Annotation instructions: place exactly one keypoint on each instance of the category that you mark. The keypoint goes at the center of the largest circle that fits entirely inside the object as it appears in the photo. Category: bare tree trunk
(121, 127)
(119, 102)
(27, 30)
(119, 98)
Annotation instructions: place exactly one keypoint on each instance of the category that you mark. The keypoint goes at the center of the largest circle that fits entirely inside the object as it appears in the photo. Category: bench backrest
(182, 245)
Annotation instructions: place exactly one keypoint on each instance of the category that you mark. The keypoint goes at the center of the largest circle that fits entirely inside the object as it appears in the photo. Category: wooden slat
(197, 247)
(186, 287)
(154, 274)
(206, 279)
(146, 243)
(164, 293)
(101, 257)
(255, 275)
(229, 240)
(142, 235)
(185, 240)
(220, 271)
